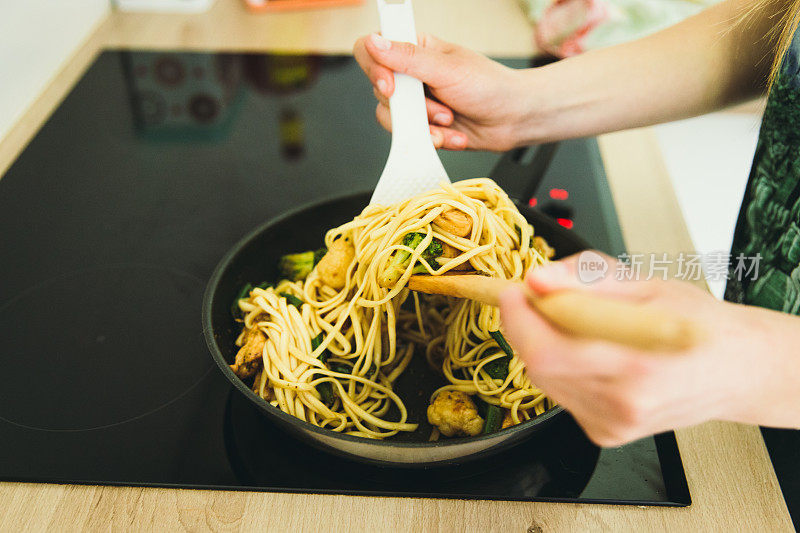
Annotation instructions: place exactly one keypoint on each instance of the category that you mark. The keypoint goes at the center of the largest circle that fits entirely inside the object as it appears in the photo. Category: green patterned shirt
(769, 220)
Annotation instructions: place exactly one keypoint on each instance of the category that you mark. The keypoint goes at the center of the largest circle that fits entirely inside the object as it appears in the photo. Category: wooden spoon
(580, 313)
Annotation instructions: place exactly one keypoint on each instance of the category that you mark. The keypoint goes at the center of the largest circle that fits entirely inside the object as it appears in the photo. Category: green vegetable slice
(519, 235)
(502, 343)
(315, 342)
(480, 405)
(341, 368)
(494, 419)
(498, 369)
(325, 389)
(243, 293)
(292, 299)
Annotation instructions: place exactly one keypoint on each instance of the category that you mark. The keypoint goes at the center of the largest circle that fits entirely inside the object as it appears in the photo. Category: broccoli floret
(401, 258)
(298, 266)
(430, 254)
(413, 239)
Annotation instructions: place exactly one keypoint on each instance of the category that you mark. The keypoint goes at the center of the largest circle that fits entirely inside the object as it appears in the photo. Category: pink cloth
(565, 24)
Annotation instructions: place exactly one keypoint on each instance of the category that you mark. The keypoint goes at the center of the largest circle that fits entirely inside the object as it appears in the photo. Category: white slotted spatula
(413, 166)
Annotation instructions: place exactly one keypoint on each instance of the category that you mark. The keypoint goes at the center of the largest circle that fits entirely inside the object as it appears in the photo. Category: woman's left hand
(746, 369)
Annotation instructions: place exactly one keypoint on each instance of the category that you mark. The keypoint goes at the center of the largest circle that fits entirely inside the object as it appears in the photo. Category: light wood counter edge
(729, 472)
(21, 133)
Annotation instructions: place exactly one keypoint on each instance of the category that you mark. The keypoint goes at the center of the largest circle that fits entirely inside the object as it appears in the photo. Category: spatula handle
(407, 103)
(592, 316)
(580, 313)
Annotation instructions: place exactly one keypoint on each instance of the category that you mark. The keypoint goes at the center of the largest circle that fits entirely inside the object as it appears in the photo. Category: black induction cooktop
(114, 217)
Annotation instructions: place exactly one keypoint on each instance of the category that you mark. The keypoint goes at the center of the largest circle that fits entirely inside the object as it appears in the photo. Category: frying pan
(254, 259)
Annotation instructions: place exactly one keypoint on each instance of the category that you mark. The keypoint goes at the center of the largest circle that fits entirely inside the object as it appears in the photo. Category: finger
(548, 352)
(533, 339)
(381, 77)
(448, 138)
(431, 42)
(427, 63)
(382, 98)
(603, 420)
(438, 113)
(589, 270)
(603, 433)
(383, 116)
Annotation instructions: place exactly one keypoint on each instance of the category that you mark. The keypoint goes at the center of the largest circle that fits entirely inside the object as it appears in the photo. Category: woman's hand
(746, 370)
(688, 69)
(472, 101)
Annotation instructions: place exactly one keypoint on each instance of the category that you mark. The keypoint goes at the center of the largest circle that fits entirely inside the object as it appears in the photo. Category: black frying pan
(254, 259)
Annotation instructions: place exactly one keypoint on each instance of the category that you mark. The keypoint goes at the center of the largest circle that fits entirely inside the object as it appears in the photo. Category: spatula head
(406, 176)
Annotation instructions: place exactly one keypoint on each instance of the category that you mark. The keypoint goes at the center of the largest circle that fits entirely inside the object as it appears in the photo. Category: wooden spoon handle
(580, 313)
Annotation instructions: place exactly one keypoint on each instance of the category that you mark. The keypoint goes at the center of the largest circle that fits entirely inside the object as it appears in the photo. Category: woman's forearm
(707, 62)
(773, 398)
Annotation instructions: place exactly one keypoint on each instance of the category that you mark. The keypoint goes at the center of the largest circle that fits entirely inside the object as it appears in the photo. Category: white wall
(708, 159)
(36, 38)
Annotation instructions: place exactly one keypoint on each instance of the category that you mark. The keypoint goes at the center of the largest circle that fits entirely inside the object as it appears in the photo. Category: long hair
(790, 19)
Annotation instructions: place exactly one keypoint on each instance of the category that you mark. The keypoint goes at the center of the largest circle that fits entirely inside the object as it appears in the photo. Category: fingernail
(379, 42)
(437, 138)
(381, 85)
(459, 141)
(441, 118)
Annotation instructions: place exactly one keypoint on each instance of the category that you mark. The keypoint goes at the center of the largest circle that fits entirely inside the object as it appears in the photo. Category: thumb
(426, 63)
(581, 272)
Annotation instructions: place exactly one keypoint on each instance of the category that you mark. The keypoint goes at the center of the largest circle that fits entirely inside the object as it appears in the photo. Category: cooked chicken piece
(257, 387)
(508, 421)
(454, 221)
(248, 358)
(333, 266)
(448, 253)
(541, 245)
(454, 413)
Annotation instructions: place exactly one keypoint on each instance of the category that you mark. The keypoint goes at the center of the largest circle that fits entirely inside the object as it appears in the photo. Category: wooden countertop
(729, 472)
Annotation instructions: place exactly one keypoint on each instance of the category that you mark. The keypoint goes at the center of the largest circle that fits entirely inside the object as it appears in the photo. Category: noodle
(332, 358)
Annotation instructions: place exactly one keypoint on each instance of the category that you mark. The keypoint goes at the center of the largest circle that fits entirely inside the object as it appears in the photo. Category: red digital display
(559, 194)
(566, 222)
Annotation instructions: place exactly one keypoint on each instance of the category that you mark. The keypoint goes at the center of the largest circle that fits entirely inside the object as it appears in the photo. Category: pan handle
(520, 173)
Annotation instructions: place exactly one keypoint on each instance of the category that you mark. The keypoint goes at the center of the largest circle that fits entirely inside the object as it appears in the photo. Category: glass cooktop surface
(111, 222)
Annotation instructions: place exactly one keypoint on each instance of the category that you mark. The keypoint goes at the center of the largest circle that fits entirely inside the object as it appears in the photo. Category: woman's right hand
(473, 102)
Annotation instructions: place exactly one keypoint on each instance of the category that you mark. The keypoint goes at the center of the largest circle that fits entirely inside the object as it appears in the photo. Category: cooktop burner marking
(134, 363)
